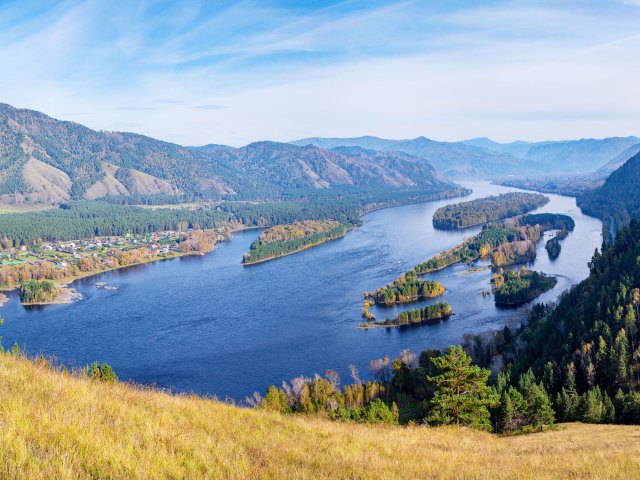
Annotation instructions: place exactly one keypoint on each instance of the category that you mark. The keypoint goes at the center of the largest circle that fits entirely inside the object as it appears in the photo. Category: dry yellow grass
(54, 425)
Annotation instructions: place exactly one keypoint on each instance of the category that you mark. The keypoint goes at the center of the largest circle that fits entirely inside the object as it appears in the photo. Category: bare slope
(55, 425)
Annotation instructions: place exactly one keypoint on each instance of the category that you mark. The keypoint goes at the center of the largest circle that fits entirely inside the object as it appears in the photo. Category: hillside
(589, 344)
(453, 159)
(579, 156)
(56, 425)
(618, 200)
(620, 160)
(44, 160)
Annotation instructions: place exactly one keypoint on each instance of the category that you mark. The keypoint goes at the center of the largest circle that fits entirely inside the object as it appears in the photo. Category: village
(61, 254)
(67, 260)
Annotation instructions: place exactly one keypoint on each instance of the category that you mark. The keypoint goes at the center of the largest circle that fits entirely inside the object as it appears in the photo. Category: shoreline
(237, 227)
(62, 282)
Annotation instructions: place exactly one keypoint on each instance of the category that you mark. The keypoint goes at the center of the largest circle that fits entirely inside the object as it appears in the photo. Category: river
(212, 326)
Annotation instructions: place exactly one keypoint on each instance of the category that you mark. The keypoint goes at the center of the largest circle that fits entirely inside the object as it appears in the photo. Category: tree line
(433, 388)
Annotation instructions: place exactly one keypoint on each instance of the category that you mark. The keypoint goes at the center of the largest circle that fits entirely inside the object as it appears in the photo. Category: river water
(209, 325)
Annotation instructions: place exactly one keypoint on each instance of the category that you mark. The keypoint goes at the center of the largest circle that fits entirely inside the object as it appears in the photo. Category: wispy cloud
(294, 69)
(209, 107)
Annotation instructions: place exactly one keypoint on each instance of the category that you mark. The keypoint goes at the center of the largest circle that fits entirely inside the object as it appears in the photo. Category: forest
(617, 201)
(86, 219)
(293, 237)
(485, 210)
(515, 287)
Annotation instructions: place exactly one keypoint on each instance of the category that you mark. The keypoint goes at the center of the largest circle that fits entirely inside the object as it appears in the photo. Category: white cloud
(401, 70)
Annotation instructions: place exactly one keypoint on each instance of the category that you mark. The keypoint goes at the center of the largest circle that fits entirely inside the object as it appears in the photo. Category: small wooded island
(407, 288)
(293, 237)
(512, 288)
(429, 315)
(485, 210)
(553, 246)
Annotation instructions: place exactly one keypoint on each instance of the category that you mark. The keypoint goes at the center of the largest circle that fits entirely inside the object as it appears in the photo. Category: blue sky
(197, 72)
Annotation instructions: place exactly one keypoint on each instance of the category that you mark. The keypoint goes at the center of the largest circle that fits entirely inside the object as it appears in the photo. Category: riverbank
(68, 280)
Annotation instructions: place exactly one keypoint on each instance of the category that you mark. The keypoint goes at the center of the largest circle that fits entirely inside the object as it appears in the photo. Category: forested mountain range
(44, 160)
(484, 157)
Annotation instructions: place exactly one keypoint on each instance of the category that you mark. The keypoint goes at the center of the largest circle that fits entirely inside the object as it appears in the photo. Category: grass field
(24, 208)
(55, 425)
(176, 206)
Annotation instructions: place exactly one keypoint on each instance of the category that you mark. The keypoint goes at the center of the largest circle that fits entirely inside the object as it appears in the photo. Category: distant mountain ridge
(487, 158)
(453, 159)
(44, 160)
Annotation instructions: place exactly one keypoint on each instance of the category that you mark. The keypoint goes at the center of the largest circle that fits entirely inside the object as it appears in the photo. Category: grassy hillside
(55, 425)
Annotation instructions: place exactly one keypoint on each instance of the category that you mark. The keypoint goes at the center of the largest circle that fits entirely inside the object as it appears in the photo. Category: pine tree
(621, 353)
(512, 414)
(462, 396)
(549, 377)
(539, 409)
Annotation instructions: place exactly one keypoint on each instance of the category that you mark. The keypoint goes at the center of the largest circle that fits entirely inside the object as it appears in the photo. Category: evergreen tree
(462, 396)
(513, 408)
(539, 410)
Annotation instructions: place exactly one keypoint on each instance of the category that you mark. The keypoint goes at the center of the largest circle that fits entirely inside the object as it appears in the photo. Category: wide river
(209, 325)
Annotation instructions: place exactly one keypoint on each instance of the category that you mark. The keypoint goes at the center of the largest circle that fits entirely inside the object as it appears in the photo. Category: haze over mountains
(484, 157)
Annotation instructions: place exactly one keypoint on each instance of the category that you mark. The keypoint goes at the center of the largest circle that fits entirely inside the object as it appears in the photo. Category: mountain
(579, 156)
(618, 161)
(567, 156)
(618, 200)
(44, 160)
(453, 159)
(47, 160)
(63, 425)
(280, 167)
(518, 148)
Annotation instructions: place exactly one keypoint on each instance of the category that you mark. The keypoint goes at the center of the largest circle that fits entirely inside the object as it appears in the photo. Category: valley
(159, 327)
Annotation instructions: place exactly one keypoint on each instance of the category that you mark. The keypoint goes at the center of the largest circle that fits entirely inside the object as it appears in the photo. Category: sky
(197, 72)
